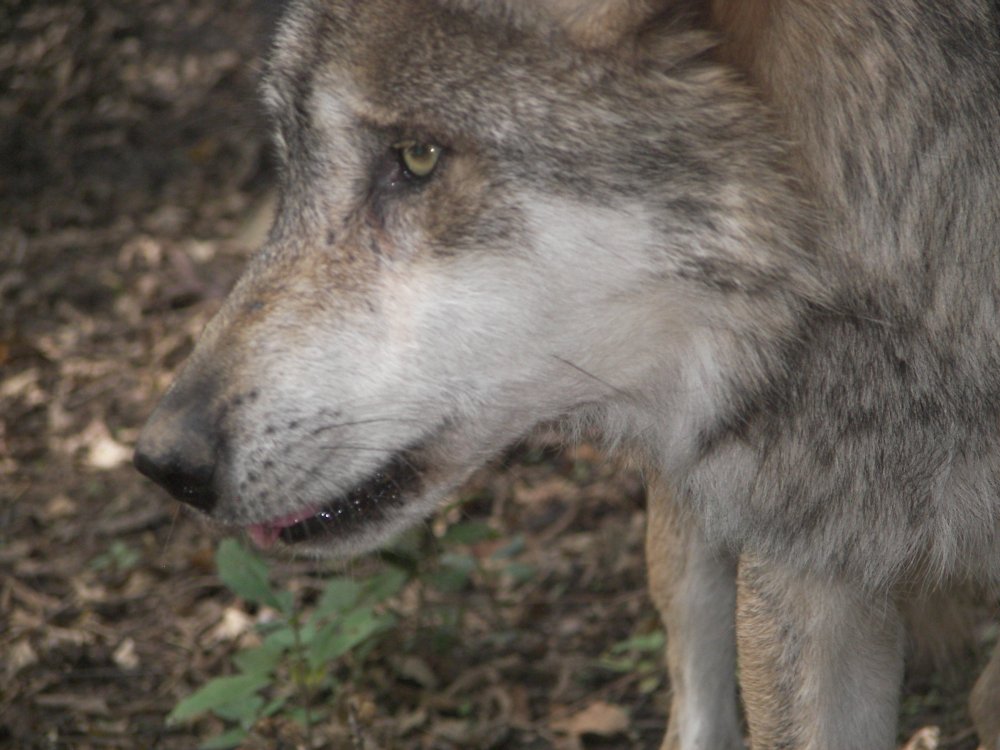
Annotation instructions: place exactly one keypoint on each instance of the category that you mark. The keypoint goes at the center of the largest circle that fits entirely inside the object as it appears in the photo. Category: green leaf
(650, 684)
(514, 548)
(246, 574)
(520, 572)
(217, 692)
(620, 665)
(260, 660)
(226, 741)
(307, 632)
(385, 585)
(339, 595)
(650, 643)
(304, 717)
(120, 557)
(283, 638)
(406, 550)
(469, 532)
(244, 712)
(285, 603)
(273, 707)
(337, 638)
(453, 574)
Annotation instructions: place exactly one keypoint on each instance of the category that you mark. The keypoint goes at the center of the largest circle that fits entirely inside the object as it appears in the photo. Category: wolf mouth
(365, 504)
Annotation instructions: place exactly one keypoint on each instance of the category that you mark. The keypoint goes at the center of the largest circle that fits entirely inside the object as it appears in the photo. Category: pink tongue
(264, 535)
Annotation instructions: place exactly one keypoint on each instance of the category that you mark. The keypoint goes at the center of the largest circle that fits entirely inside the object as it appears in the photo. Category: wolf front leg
(694, 588)
(820, 664)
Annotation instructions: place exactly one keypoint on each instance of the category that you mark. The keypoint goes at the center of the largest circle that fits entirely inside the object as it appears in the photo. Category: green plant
(640, 655)
(346, 618)
(120, 558)
(302, 650)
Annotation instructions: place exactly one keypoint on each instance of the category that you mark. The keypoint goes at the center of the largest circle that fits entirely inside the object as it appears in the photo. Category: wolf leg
(820, 664)
(694, 588)
(984, 704)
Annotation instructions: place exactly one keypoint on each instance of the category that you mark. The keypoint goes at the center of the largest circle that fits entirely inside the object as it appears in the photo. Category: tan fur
(743, 28)
(602, 23)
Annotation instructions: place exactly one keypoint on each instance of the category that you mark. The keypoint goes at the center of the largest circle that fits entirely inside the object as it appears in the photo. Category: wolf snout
(178, 449)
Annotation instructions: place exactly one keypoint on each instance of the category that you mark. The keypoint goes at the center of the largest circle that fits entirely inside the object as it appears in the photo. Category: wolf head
(490, 217)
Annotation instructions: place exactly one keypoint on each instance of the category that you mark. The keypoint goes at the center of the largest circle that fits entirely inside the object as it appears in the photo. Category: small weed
(119, 559)
(641, 655)
(301, 653)
(303, 647)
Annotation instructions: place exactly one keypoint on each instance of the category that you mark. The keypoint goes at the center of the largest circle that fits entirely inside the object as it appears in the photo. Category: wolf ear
(604, 24)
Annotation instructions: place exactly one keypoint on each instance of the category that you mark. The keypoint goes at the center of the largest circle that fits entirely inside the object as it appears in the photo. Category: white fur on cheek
(471, 351)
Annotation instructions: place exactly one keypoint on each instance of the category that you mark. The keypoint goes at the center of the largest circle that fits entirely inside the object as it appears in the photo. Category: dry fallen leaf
(59, 507)
(928, 738)
(416, 669)
(125, 656)
(234, 623)
(20, 656)
(24, 385)
(91, 705)
(108, 454)
(99, 449)
(599, 718)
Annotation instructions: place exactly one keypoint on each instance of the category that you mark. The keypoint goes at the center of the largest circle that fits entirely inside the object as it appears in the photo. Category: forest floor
(134, 181)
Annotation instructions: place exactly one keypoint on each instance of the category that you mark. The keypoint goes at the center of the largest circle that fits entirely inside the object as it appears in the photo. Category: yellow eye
(419, 159)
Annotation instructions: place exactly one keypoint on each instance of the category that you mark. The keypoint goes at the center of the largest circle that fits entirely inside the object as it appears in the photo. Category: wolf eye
(418, 159)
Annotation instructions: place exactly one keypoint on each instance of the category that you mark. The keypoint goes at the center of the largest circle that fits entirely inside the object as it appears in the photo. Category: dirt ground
(134, 180)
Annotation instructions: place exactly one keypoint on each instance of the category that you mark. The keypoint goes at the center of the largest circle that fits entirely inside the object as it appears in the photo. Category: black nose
(189, 482)
(178, 447)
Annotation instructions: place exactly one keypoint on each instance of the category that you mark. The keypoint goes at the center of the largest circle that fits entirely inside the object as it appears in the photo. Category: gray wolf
(754, 242)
